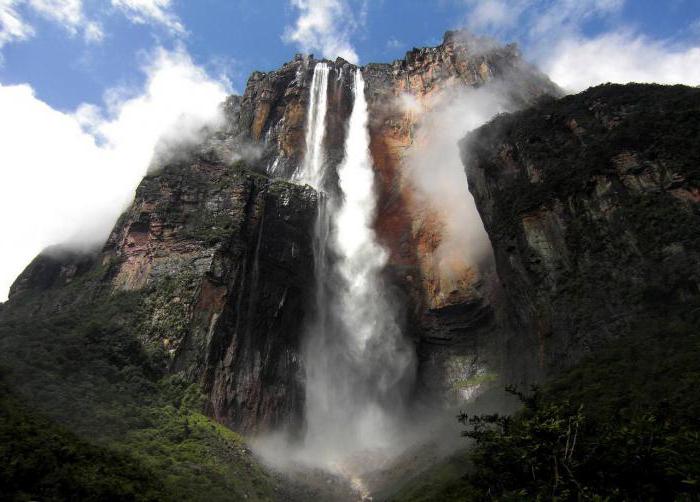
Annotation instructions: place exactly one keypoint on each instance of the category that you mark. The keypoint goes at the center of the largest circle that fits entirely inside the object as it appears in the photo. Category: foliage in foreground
(620, 426)
(41, 460)
(87, 413)
(553, 450)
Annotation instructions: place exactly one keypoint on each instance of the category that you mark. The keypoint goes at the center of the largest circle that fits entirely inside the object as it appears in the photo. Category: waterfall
(312, 168)
(357, 361)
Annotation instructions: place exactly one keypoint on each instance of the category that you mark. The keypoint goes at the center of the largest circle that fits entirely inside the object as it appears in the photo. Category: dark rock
(591, 203)
(228, 255)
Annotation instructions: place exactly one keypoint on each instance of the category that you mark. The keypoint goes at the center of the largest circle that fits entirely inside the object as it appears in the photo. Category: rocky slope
(591, 203)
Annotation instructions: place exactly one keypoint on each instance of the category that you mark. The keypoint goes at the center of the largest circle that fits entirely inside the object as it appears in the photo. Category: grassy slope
(87, 413)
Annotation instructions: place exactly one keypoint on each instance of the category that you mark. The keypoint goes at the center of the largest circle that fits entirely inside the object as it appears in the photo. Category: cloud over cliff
(556, 34)
(68, 175)
(326, 26)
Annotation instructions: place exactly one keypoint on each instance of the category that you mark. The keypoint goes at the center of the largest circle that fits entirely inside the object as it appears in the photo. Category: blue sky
(90, 89)
(239, 37)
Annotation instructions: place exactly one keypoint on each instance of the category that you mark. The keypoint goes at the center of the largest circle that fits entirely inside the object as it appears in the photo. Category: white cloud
(93, 32)
(567, 16)
(12, 26)
(536, 21)
(69, 14)
(326, 26)
(151, 11)
(394, 43)
(551, 32)
(67, 176)
(578, 63)
(494, 16)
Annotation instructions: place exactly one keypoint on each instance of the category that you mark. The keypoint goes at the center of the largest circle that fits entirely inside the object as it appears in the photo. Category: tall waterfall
(358, 364)
(312, 169)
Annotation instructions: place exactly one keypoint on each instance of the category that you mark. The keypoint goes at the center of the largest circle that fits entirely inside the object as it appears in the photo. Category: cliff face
(270, 120)
(591, 203)
(229, 253)
(452, 299)
(267, 125)
(218, 242)
(223, 262)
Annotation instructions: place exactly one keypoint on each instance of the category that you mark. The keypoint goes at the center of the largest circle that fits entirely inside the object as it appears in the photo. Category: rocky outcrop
(55, 267)
(591, 203)
(267, 125)
(227, 256)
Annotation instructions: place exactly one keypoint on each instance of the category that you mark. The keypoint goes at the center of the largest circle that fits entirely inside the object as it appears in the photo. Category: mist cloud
(67, 176)
(435, 168)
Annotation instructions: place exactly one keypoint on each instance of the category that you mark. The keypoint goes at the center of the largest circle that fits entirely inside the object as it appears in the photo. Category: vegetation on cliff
(87, 412)
(621, 425)
(571, 140)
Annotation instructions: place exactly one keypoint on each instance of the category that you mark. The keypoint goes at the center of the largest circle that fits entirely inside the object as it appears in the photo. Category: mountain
(193, 320)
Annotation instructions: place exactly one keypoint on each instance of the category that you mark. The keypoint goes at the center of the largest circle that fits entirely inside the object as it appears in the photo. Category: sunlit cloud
(326, 26)
(552, 35)
(67, 176)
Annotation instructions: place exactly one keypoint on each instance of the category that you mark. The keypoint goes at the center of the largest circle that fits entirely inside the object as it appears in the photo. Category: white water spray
(359, 367)
(312, 169)
(358, 364)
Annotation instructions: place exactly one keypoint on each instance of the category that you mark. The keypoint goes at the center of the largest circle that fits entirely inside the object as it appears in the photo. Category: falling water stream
(358, 364)
(311, 171)
(359, 367)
